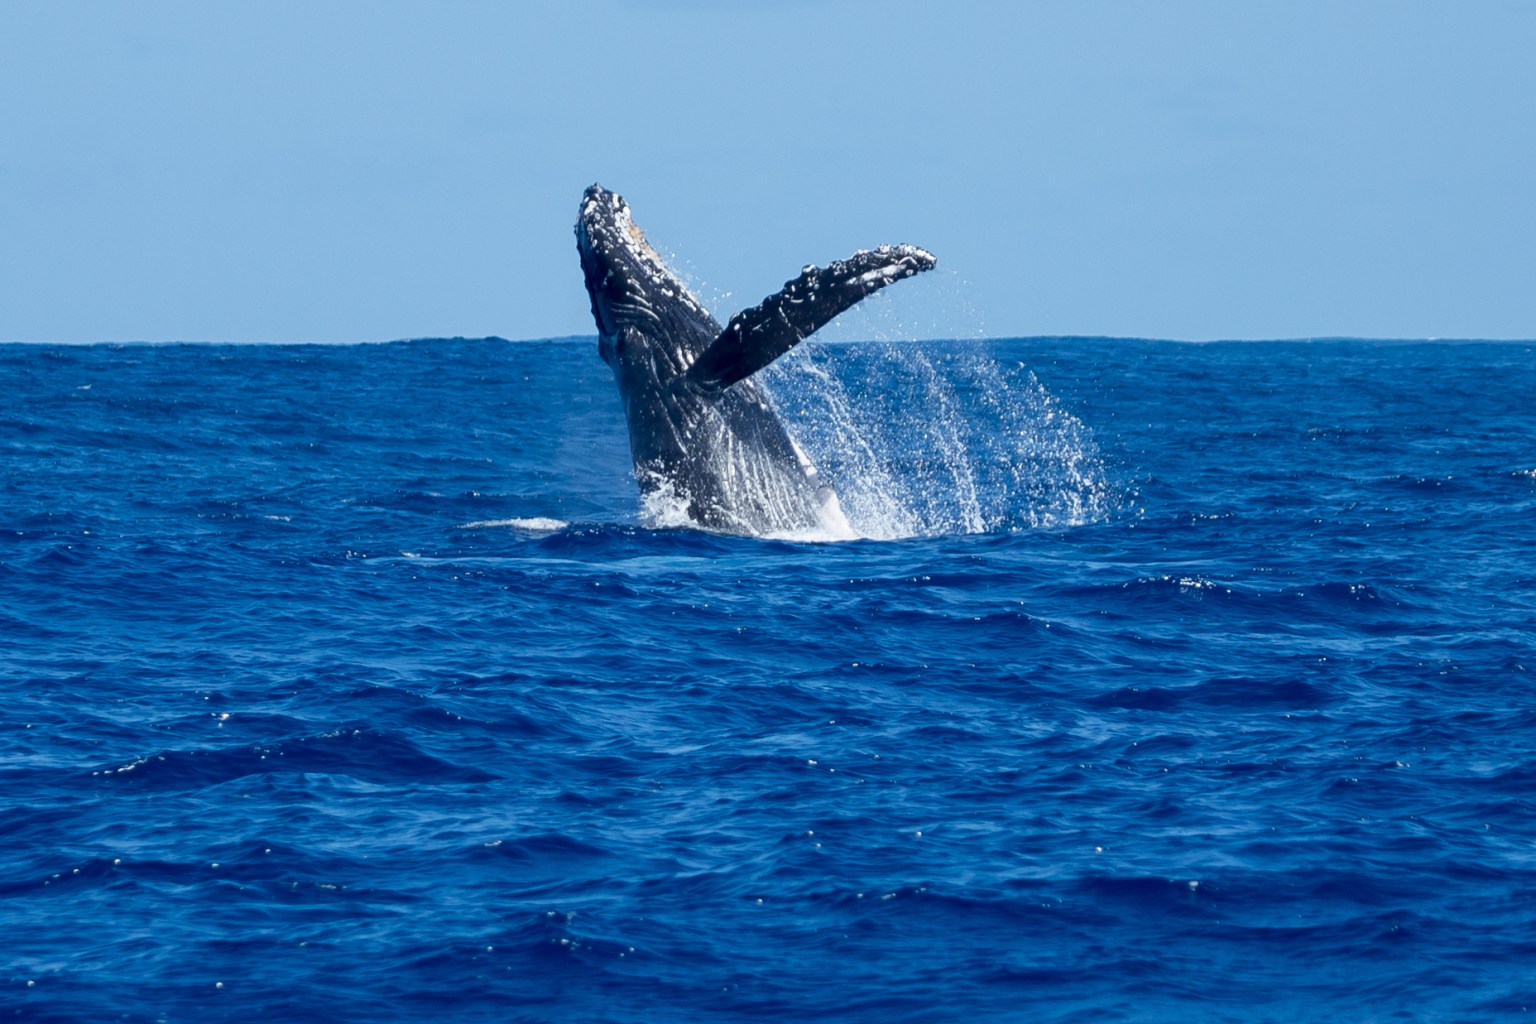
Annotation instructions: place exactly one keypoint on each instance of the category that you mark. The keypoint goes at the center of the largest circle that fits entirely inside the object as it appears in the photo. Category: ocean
(1163, 682)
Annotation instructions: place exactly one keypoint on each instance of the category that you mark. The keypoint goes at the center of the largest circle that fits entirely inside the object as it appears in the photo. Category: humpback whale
(702, 431)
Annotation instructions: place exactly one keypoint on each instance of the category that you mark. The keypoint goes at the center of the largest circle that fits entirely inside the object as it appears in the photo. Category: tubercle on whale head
(627, 280)
(615, 255)
(606, 215)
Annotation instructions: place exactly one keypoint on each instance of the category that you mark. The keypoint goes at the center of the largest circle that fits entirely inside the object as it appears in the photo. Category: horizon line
(592, 338)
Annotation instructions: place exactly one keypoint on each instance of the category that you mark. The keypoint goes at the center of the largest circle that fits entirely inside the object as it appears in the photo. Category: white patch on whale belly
(831, 522)
(806, 465)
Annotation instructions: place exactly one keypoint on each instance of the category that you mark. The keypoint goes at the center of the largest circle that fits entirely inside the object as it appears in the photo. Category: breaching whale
(703, 433)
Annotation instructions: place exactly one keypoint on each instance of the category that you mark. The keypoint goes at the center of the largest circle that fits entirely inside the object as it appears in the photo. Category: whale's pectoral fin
(756, 337)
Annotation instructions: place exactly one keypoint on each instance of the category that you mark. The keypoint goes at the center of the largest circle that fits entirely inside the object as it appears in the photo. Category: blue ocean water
(1174, 682)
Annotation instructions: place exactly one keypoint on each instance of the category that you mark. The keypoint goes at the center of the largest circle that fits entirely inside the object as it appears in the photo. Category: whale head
(628, 282)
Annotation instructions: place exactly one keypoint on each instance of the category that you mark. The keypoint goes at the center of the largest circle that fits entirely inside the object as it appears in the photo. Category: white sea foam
(662, 508)
(534, 524)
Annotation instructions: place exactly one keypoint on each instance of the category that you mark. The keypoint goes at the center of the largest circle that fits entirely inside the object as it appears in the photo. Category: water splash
(918, 438)
(938, 438)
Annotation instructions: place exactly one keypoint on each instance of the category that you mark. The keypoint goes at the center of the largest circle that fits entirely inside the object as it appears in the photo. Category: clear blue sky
(365, 171)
